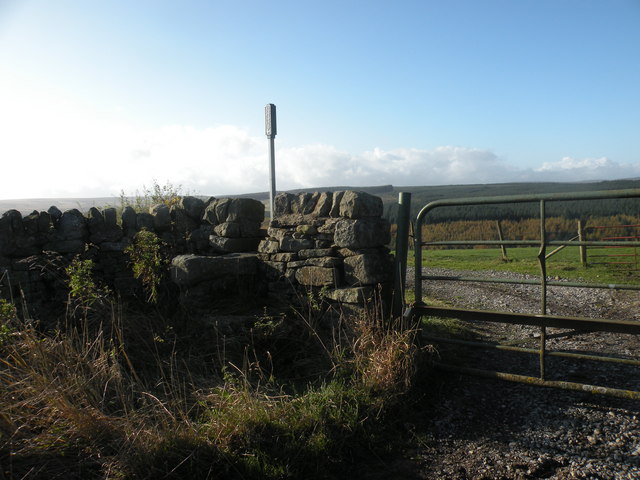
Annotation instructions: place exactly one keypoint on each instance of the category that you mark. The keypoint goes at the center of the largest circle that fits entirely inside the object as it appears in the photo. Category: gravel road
(479, 428)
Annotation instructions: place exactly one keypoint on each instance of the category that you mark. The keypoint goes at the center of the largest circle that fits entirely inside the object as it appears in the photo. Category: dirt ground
(478, 428)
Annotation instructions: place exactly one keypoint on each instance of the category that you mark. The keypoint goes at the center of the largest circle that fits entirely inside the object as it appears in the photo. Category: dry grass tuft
(86, 401)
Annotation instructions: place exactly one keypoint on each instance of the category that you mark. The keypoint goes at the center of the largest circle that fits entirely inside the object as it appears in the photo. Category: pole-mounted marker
(271, 130)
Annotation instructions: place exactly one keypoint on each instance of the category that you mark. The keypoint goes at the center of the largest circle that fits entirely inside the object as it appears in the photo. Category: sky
(103, 97)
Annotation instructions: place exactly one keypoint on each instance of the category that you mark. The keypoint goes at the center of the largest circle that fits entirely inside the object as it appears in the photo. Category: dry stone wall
(334, 241)
(36, 248)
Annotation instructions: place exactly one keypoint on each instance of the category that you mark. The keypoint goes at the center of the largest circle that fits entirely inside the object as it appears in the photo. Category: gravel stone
(477, 428)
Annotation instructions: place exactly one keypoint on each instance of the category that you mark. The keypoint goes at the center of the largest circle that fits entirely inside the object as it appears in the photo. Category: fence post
(402, 250)
(583, 248)
(501, 238)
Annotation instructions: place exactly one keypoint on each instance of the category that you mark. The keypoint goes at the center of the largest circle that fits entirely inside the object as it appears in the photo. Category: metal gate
(541, 319)
(616, 255)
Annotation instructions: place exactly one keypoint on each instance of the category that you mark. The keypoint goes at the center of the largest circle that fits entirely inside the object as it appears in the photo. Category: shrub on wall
(147, 262)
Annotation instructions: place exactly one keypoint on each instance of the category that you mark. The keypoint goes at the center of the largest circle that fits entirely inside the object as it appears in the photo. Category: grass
(118, 394)
(564, 264)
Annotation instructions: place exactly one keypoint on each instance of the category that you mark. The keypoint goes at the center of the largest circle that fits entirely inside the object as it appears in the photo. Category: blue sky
(97, 97)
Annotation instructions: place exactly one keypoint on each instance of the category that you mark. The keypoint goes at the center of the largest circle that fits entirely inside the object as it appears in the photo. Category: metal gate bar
(419, 308)
(511, 377)
(511, 348)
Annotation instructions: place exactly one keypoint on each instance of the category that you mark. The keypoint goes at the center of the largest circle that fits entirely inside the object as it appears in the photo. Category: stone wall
(334, 241)
(36, 248)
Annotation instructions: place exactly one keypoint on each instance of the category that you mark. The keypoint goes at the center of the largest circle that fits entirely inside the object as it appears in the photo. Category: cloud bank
(80, 160)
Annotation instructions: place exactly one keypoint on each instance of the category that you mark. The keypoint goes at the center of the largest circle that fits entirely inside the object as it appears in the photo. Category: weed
(147, 262)
(167, 194)
(81, 284)
(8, 316)
(84, 294)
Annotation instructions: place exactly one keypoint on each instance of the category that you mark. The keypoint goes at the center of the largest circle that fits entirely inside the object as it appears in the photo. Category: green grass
(563, 264)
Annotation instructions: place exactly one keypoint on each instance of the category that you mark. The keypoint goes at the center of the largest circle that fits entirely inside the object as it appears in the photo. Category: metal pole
(543, 284)
(402, 247)
(271, 130)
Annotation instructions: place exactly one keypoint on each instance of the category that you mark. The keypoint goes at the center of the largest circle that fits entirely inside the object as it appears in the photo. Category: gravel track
(489, 429)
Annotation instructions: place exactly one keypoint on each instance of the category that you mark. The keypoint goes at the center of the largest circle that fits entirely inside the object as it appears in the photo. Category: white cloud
(569, 169)
(52, 149)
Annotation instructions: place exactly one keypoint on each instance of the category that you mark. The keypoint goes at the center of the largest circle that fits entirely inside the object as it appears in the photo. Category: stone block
(111, 233)
(323, 205)
(306, 229)
(284, 257)
(367, 269)
(297, 264)
(360, 205)
(182, 223)
(209, 215)
(245, 208)
(234, 245)
(55, 213)
(278, 233)
(221, 207)
(250, 228)
(269, 246)
(110, 216)
(300, 202)
(198, 239)
(161, 217)
(335, 206)
(30, 223)
(316, 276)
(189, 270)
(316, 252)
(310, 205)
(72, 226)
(129, 221)
(13, 221)
(66, 246)
(324, 262)
(193, 207)
(352, 295)
(227, 229)
(328, 227)
(95, 220)
(45, 223)
(282, 203)
(362, 233)
(144, 221)
(290, 244)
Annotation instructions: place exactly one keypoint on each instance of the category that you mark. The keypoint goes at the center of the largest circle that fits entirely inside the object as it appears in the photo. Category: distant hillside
(421, 195)
(26, 206)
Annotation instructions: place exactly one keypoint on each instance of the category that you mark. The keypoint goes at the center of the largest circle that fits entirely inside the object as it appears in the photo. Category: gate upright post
(501, 238)
(583, 249)
(543, 285)
(402, 250)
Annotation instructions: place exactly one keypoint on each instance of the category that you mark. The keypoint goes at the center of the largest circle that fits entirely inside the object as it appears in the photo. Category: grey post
(271, 130)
